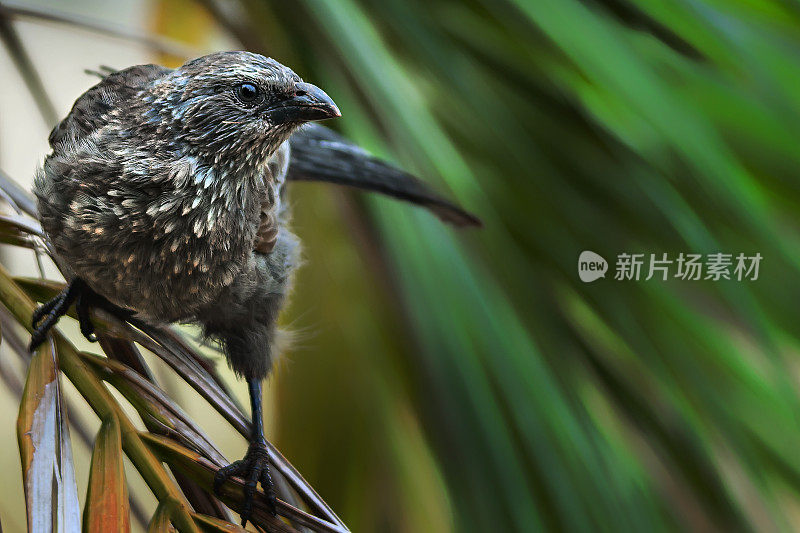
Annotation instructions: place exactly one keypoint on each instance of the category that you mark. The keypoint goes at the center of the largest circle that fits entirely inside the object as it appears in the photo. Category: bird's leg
(46, 315)
(84, 320)
(254, 468)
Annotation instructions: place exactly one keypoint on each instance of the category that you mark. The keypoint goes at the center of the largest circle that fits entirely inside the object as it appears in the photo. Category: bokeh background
(469, 381)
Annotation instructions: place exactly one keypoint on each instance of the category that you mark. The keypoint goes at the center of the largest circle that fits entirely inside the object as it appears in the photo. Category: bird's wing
(320, 154)
(90, 111)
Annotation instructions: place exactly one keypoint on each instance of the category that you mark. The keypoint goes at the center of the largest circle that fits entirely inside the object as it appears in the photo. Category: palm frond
(611, 126)
(51, 492)
(472, 382)
(107, 507)
(125, 370)
(16, 49)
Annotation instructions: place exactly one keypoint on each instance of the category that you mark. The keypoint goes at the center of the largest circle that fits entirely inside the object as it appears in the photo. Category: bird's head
(238, 107)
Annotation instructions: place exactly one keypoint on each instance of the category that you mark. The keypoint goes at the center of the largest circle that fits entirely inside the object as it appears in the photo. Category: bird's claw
(46, 315)
(84, 320)
(253, 469)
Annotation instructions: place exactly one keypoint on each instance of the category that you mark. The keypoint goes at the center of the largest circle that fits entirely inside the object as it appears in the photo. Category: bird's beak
(308, 103)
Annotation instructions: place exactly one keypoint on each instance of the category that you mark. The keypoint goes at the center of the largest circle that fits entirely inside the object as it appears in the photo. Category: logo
(591, 266)
(715, 266)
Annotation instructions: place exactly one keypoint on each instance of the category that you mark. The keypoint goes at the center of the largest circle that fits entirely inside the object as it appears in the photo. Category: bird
(165, 199)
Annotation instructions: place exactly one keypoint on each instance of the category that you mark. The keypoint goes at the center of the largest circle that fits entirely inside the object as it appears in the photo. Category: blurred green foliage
(469, 381)
(613, 126)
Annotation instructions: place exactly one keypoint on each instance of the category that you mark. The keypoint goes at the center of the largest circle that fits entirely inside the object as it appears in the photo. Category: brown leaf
(51, 495)
(107, 506)
(125, 352)
(215, 525)
(173, 350)
(160, 522)
(202, 470)
(158, 411)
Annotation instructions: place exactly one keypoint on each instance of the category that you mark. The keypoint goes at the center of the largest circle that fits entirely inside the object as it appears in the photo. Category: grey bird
(165, 199)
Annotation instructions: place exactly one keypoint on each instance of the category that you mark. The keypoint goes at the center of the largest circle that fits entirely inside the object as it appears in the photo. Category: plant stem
(106, 407)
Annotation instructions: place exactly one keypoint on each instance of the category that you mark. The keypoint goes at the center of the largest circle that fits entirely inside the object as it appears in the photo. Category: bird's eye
(248, 93)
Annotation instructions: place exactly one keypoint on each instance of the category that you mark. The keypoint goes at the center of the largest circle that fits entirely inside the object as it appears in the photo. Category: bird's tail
(321, 154)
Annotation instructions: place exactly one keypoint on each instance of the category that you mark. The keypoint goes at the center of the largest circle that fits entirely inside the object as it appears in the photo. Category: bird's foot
(253, 469)
(46, 315)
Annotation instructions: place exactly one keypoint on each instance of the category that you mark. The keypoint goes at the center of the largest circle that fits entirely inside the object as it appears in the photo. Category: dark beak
(308, 103)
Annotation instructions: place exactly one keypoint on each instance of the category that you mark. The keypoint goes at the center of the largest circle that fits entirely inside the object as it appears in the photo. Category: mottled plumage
(165, 195)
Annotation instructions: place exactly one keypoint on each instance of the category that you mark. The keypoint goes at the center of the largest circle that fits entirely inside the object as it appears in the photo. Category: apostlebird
(164, 198)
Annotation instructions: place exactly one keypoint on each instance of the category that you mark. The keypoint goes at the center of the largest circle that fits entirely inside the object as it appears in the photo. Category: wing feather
(91, 110)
